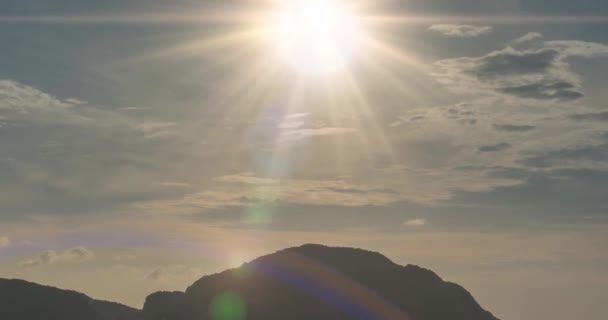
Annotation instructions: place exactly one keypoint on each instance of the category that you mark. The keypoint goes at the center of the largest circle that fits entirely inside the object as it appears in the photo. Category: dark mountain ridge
(307, 282)
(22, 300)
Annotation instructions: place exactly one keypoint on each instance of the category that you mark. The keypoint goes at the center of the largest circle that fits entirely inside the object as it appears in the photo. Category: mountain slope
(21, 300)
(318, 282)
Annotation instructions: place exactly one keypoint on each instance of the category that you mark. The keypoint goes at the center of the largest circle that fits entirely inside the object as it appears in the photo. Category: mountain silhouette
(22, 300)
(318, 282)
(307, 282)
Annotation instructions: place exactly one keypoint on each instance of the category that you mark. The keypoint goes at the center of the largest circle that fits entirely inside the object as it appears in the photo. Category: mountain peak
(314, 281)
(311, 281)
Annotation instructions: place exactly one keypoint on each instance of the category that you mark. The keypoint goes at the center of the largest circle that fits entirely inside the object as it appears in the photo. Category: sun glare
(316, 36)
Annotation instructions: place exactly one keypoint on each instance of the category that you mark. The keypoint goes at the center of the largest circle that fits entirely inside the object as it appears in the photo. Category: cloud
(495, 147)
(155, 274)
(540, 74)
(175, 185)
(23, 99)
(295, 135)
(514, 128)
(528, 37)
(415, 222)
(73, 255)
(597, 116)
(53, 149)
(559, 91)
(580, 156)
(166, 274)
(246, 189)
(575, 48)
(154, 130)
(4, 242)
(460, 30)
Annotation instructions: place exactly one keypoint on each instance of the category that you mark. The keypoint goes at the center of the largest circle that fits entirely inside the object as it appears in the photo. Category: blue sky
(154, 141)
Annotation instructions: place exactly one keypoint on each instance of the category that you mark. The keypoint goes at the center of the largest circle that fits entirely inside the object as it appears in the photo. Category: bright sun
(316, 36)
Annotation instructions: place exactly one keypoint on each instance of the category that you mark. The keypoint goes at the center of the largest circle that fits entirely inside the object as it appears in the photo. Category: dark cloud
(552, 158)
(542, 192)
(514, 127)
(512, 62)
(531, 74)
(495, 147)
(560, 91)
(598, 116)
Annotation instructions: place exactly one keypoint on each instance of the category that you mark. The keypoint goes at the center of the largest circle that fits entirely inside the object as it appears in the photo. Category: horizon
(147, 143)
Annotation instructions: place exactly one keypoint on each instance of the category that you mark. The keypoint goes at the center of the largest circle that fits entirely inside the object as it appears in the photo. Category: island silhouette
(307, 282)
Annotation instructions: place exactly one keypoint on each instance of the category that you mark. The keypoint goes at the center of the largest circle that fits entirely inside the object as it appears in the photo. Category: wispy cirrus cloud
(72, 255)
(461, 30)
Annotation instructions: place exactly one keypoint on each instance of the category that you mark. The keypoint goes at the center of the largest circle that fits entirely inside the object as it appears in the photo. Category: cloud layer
(73, 255)
(460, 30)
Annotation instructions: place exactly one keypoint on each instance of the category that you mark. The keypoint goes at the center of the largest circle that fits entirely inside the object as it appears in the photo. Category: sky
(144, 144)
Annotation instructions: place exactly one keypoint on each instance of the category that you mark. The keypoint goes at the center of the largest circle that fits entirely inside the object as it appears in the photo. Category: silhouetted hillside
(21, 300)
(318, 282)
(307, 282)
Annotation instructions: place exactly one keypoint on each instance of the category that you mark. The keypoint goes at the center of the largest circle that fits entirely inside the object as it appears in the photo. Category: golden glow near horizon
(316, 35)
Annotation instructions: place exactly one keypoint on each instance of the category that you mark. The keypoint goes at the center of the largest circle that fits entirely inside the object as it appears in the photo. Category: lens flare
(228, 306)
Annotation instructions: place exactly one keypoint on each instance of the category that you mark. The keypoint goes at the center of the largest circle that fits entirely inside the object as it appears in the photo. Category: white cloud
(530, 36)
(73, 255)
(25, 99)
(461, 30)
(302, 134)
(4, 242)
(419, 222)
(574, 48)
(153, 130)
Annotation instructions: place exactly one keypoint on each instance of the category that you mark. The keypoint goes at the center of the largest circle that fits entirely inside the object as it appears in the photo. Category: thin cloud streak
(253, 15)
(525, 19)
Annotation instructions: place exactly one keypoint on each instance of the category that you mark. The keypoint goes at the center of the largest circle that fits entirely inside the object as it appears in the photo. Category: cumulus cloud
(73, 255)
(528, 37)
(540, 74)
(495, 147)
(4, 242)
(514, 127)
(461, 30)
(419, 222)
